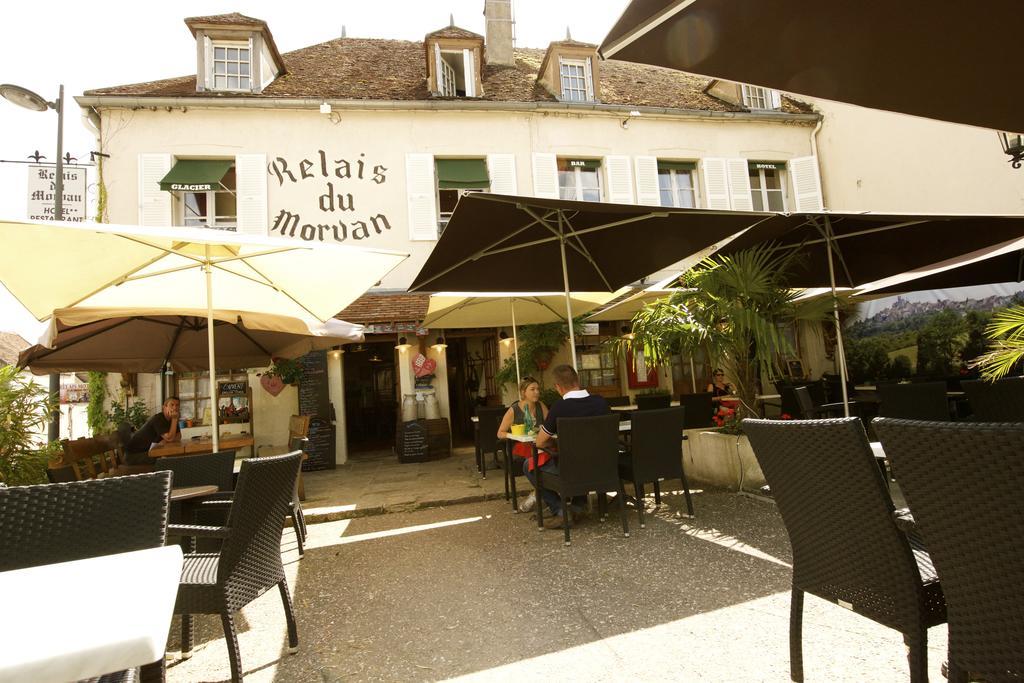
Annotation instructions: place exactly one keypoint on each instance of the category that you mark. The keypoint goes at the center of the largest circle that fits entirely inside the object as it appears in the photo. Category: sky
(102, 43)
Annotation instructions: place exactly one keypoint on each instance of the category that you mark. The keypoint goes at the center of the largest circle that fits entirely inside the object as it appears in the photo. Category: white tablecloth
(73, 620)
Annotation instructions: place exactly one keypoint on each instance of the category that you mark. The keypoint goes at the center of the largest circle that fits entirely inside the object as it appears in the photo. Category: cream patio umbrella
(496, 309)
(50, 266)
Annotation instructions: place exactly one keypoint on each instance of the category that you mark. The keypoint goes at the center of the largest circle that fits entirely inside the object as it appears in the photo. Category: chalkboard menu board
(412, 444)
(314, 400)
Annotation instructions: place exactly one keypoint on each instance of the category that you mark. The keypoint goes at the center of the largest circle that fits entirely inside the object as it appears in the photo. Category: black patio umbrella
(495, 242)
(852, 250)
(941, 59)
(1005, 265)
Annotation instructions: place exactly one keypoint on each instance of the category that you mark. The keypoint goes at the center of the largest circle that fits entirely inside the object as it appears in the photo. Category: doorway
(370, 398)
(472, 364)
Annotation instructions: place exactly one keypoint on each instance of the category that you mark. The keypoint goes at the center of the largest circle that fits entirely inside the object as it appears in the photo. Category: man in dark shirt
(161, 428)
(575, 402)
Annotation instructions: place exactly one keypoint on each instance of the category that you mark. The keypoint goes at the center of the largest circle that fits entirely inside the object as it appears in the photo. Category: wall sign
(42, 180)
(336, 184)
(640, 374)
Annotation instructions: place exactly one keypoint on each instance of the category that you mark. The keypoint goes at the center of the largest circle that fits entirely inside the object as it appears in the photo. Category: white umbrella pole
(515, 341)
(214, 413)
(568, 299)
(693, 376)
(841, 355)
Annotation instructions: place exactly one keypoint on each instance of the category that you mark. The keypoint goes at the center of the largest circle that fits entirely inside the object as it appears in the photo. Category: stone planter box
(721, 460)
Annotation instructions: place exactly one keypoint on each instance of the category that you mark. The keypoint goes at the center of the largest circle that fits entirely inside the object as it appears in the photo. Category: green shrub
(96, 416)
(25, 410)
(135, 414)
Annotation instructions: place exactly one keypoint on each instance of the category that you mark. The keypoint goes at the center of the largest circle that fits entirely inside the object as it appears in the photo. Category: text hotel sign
(41, 182)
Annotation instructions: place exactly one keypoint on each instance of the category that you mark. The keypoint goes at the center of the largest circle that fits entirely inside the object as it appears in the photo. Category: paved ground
(474, 592)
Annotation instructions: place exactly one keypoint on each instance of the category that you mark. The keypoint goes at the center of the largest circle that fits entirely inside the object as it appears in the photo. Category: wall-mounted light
(403, 344)
(632, 115)
(504, 338)
(627, 332)
(325, 108)
(440, 345)
(1013, 146)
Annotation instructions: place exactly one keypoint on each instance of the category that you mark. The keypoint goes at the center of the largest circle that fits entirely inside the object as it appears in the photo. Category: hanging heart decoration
(423, 366)
(272, 384)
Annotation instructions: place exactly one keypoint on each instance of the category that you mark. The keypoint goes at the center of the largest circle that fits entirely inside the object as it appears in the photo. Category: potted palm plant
(734, 309)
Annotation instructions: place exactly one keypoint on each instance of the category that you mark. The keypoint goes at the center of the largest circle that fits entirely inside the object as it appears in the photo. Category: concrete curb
(313, 517)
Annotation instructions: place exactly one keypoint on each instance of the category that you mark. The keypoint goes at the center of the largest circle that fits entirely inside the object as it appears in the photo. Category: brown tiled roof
(383, 308)
(377, 69)
(454, 32)
(232, 19)
(10, 346)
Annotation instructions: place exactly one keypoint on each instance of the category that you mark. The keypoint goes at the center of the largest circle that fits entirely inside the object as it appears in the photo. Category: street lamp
(30, 100)
(1013, 145)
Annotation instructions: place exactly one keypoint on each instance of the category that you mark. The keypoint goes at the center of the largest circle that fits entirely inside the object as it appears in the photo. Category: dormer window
(231, 66)
(455, 73)
(755, 97)
(577, 80)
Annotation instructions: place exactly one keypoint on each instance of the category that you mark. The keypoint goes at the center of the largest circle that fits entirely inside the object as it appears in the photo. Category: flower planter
(721, 460)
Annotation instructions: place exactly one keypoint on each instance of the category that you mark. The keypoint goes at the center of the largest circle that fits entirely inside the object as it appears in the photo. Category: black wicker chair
(215, 469)
(653, 402)
(249, 562)
(588, 460)
(962, 482)
(698, 409)
(921, 401)
(487, 441)
(846, 546)
(618, 401)
(1001, 401)
(655, 452)
(77, 520)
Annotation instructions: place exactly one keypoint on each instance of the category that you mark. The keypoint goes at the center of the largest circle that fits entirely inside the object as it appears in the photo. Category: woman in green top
(529, 410)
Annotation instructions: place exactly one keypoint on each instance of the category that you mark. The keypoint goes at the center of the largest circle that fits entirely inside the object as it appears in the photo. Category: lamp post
(1013, 146)
(30, 100)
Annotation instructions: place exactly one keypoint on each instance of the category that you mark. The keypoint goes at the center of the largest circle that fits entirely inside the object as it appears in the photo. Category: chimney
(498, 45)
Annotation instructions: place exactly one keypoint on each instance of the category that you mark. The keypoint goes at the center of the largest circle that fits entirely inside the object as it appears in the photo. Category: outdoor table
(187, 492)
(633, 406)
(201, 446)
(53, 631)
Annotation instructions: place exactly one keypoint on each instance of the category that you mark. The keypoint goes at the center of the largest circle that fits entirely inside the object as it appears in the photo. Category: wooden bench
(96, 457)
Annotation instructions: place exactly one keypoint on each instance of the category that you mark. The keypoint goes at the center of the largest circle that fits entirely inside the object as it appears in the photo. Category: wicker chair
(922, 401)
(197, 470)
(654, 402)
(249, 562)
(78, 520)
(846, 546)
(588, 460)
(698, 409)
(962, 482)
(1001, 401)
(655, 453)
(618, 401)
(487, 441)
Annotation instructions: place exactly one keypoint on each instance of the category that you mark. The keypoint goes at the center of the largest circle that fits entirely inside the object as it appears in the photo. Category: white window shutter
(438, 88)
(469, 71)
(545, 175)
(716, 183)
(154, 203)
(739, 185)
(251, 193)
(620, 179)
(501, 169)
(422, 196)
(776, 99)
(590, 80)
(647, 190)
(806, 184)
(207, 74)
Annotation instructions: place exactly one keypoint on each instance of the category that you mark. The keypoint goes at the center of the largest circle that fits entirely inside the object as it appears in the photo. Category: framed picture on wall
(640, 375)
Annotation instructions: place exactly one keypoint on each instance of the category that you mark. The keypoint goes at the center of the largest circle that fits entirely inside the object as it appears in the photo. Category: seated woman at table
(161, 428)
(718, 387)
(529, 410)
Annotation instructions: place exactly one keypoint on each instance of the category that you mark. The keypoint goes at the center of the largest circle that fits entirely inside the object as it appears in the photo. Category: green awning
(677, 165)
(458, 174)
(767, 165)
(196, 175)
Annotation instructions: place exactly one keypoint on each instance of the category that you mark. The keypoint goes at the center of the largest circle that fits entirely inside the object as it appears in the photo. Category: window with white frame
(455, 179)
(211, 209)
(455, 72)
(231, 68)
(575, 75)
(677, 184)
(767, 185)
(579, 179)
(755, 97)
